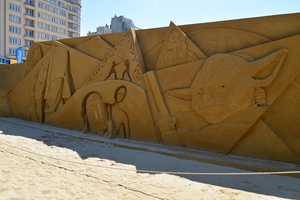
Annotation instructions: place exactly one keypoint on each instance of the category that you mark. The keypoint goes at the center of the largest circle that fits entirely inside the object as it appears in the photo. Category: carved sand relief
(95, 47)
(175, 49)
(96, 112)
(223, 87)
(219, 99)
(123, 62)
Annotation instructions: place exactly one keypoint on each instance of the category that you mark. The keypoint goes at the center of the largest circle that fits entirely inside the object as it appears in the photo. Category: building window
(61, 4)
(47, 7)
(47, 17)
(29, 33)
(29, 12)
(47, 36)
(40, 24)
(72, 35)
(62, 13)
(54, 10)
(74, 18)
(47, 27)
(54, 19)
(14, 29)
(40, 4)
(40, 35)
(28, 43)
(29, 2)
(74, 9)
(62, 22)
(13, 40)
(29, 22)
(54, 28)
(15, 19)
(12, 51)
(74, 27)
(62, 31)
(26, 53)
(15, 8)
(54, 37)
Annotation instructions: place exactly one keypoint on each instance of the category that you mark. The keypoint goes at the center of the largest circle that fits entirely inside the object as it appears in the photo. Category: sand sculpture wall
(231, 87)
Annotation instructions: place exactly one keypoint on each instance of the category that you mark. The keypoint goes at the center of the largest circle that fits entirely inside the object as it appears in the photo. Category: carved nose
(206, 96)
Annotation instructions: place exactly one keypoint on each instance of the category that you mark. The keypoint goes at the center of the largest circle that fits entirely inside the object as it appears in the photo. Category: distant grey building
(101, 30)
(118, 24)
(121, 23)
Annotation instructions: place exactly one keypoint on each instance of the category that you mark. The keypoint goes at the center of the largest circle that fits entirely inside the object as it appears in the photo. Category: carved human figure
(119, 116)
(126, 70)
(221, 101)
(113, 70)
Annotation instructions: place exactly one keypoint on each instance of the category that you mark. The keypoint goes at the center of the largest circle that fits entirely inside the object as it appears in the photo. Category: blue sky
(158, 13)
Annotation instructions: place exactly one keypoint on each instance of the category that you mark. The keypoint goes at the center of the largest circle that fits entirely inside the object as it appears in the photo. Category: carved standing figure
(113, 70)
(126, 70)
(119, 116)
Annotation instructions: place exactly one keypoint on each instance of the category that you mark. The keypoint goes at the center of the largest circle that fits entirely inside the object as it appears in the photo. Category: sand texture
(37, 163)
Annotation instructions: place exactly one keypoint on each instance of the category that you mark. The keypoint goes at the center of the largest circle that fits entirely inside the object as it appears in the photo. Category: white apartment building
(23, 22)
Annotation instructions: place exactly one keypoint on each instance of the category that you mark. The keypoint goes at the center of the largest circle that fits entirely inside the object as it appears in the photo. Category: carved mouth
(170, 50)
(215, 114)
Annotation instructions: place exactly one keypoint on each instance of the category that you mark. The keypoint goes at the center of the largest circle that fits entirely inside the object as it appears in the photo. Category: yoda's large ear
(265, 69)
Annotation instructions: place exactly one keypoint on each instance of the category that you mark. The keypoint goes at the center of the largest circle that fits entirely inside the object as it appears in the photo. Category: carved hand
(166, 123)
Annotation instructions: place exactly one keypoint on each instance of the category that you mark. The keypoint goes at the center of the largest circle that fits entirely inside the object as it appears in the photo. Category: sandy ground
(37, 163)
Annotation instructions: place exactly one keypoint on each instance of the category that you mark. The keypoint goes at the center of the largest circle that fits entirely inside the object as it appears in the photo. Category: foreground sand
(39, 164)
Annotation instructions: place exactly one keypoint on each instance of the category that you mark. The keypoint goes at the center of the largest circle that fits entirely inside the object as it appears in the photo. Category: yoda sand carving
(225, 99)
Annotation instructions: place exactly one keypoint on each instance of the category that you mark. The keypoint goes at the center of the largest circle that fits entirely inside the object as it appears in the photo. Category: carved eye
(222, 86)
(198, 92)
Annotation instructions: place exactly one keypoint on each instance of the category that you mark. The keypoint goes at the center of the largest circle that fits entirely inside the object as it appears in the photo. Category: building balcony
(73, 22)
(26, 48)
(73, 34)
(78, 2)
(29, 5)
(70, 28)
(29, 27)
(26, 16)
(29, 37)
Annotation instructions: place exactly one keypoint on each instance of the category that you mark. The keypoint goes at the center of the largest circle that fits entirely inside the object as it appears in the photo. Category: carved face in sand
(120, 94)
(175, 49)
(225, 84)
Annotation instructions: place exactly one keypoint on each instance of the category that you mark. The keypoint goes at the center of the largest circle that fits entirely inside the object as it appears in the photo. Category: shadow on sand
(90, 145)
